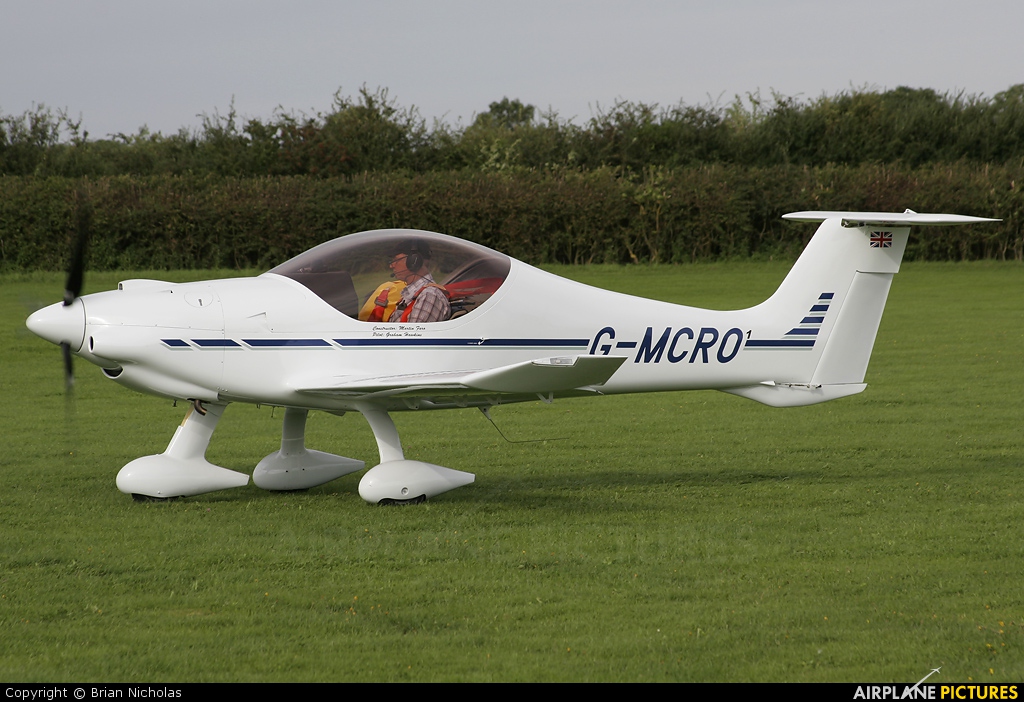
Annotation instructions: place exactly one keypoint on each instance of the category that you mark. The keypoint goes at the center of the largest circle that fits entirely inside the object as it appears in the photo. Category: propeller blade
(76, 268)
(73, 288)
(69, 400)
(69, 370)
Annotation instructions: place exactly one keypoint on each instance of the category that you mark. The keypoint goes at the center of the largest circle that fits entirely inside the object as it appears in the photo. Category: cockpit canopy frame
(346, 271)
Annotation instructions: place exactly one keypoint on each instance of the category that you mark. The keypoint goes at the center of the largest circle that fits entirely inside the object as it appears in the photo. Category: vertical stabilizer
(855, 262)
(843, 279)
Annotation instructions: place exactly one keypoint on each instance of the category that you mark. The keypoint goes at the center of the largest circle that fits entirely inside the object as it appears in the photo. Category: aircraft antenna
(486, 411)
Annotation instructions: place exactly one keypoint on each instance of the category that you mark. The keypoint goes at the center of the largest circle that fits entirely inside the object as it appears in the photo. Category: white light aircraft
(315, 334)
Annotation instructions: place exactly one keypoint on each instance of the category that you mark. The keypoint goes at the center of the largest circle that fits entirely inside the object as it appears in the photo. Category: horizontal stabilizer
(795, 394)
(886, 219)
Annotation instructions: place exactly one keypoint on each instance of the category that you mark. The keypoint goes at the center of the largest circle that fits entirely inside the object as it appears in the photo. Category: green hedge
(565, 216)
(371, 132)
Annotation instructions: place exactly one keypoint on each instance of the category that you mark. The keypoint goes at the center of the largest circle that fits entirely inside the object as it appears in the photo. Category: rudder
(851, 260)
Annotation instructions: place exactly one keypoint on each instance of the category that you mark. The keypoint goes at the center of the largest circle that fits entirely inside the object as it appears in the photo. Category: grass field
(671, 537)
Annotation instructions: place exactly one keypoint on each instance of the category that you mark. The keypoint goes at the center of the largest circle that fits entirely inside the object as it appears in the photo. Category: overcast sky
(122, 64)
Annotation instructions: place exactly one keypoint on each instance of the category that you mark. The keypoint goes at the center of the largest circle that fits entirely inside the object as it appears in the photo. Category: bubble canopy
(347, 271)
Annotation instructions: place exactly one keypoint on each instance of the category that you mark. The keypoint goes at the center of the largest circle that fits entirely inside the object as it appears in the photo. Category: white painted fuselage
(292, 337)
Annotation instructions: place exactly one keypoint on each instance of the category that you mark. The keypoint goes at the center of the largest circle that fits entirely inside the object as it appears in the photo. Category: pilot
(422, 299)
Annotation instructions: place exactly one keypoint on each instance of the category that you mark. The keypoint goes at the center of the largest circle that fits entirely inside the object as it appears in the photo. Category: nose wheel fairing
(182, 469)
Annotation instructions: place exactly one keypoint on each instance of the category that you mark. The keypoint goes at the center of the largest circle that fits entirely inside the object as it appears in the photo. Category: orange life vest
(383, 302)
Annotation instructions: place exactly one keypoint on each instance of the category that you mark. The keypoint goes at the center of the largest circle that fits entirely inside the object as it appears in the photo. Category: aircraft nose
(60, 323)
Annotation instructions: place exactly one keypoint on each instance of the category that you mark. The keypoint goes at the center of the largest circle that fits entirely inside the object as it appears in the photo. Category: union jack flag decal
(881, 240)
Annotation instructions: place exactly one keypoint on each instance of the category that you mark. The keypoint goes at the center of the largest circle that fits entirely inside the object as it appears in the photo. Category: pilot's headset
(417, 253)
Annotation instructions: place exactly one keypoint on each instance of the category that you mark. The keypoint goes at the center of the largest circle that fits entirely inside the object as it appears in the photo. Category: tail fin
(843, 279)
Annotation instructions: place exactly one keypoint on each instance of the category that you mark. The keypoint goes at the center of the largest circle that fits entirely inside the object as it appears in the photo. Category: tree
(506, 114)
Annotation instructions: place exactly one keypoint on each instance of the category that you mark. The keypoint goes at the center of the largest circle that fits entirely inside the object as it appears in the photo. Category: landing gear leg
(295, 467)
(396, 480)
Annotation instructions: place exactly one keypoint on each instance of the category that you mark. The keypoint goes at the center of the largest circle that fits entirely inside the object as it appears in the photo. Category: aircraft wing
(542, 375)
